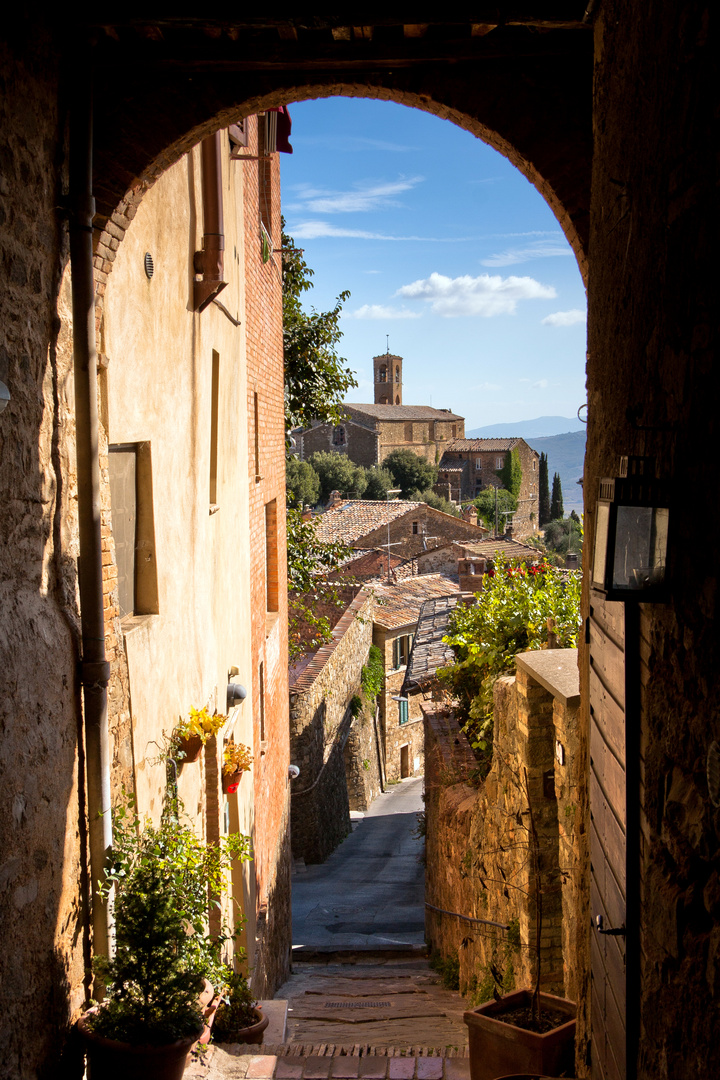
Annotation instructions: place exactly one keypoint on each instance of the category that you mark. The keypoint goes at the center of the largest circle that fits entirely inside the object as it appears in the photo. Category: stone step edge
(333, 1050)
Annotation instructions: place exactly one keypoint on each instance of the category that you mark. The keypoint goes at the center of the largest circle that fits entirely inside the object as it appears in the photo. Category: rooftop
(486, 549)
(428, 652)
(350, 520)
(399, 412)
(463, 445)
(398, 605)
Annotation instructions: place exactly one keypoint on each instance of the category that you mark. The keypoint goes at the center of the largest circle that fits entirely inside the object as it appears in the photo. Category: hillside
(566, 456)
(541, 427)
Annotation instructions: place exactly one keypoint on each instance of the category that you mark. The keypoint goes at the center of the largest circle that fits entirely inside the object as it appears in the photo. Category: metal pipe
(94, 670)
(209, 261)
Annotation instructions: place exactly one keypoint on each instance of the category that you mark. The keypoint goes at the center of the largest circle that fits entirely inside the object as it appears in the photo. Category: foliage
(556, 500)
(355, 705)
(437, 502)
(236, 758)
(485, 503)
(564, 535)
(307, 559)
(200, 724)
(410, 472)
(543, 492)
(511, 473)
(316, 378)
(372, 676)
(337, 472)
(163, 878)
(379, 482)
(302, 483)
(510, 616)
(236, 1010)
(448, 968)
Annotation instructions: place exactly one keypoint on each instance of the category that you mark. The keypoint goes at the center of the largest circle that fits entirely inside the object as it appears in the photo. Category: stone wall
(361, 444)
(479, 860)
(363, 759)
(397, 737)
(424, 520)
(321, 721)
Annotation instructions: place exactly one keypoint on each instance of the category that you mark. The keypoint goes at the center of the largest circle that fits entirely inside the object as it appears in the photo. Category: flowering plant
(236, 758)
(200, 724)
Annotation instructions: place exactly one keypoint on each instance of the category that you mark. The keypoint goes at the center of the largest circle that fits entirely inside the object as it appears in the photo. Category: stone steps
(326, 1061)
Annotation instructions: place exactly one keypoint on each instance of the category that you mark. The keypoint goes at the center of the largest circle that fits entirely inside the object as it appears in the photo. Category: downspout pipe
(209, 261)
(94, 668)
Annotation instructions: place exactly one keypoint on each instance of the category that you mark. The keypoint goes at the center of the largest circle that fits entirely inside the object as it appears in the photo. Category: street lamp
(631, 534)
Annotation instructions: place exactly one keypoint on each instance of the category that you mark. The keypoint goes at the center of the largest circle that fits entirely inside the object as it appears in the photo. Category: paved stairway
(379, 1019)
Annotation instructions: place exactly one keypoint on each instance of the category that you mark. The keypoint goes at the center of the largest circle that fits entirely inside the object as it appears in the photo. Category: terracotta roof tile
(399, 412)
(305, 672)
(357, 517)
(399, 604)
(464, 445)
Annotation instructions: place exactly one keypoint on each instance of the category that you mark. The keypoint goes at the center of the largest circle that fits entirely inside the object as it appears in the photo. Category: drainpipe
(94, 669)
(209, 261)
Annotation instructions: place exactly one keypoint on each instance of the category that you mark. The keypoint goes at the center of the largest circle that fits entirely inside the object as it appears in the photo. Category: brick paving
(320, 1062)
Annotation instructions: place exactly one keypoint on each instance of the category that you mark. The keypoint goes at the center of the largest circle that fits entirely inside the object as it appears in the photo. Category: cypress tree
(556, 502)
(544, 492)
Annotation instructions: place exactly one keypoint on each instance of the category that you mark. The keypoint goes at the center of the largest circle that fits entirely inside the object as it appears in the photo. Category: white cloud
(363, 198)
(314, 230)
(372, 271)
(487, 386)
(565, 318)
(486, 295)
(540, 249)
(541, 384)
(381, 311)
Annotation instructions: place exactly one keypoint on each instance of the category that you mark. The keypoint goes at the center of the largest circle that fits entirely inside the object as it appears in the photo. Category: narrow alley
(362, 1001)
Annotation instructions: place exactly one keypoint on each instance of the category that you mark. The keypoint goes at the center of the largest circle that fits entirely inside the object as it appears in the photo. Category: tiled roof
(399, 412)
(399, 605)
(464, 445)
(486, 549)
(306, 671)
(350, 520)
(452, 465)
(428, 652)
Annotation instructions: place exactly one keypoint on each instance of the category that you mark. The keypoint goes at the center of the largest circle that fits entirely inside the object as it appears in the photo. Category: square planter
(500, 1049)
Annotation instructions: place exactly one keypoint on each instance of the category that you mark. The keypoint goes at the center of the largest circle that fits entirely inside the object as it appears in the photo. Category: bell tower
(387, 379)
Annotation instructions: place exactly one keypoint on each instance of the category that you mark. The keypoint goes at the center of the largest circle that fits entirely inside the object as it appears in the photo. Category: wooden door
(608, 838)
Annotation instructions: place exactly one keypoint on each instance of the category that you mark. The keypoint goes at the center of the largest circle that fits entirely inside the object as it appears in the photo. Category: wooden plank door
(608, 838)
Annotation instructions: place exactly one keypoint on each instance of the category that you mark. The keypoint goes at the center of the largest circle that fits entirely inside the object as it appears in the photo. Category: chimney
(508, 532)
(470, 573)
(307, 514)
(470, 514)
(334, 500)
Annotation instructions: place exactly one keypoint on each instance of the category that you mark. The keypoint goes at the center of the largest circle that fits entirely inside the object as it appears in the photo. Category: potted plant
(237, 759)
(163, 880)
(193, 732)
(238, 1019)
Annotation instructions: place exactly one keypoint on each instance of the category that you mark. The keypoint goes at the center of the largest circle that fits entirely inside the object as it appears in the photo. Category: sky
(445, 247)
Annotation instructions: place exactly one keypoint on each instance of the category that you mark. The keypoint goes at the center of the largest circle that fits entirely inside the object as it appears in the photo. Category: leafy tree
(410, 472)
(510, 616)
(563, 535)
(544, 492)
(556, 502)
(337, 472)
(379, 482)
(511, 473)
(316, 378)
(436, 501)
(302, 483)
(309, 561)
(485, 503)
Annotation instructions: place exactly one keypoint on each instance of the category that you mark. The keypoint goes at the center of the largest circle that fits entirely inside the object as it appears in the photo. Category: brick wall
(265, 377)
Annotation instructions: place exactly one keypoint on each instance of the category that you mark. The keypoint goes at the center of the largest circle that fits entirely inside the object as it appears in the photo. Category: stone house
(445, 559)
(334, 738)
(468, 466)
(395, 618)
(413, 527)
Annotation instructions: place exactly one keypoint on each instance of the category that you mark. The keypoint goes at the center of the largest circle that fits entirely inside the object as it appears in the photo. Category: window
(267, 134)
(499, 462)
(133, 524)
(416, 528)
(271, 557)
(238, 135)
(339, 438)
(256, 418)
(478, 464)
(397, 374)
(401, 650)
(214, 400)
(402, 711)
(397, 399)
(383, 374)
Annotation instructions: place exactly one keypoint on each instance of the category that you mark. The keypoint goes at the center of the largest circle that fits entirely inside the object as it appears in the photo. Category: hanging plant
(237, 759)
(192, 733)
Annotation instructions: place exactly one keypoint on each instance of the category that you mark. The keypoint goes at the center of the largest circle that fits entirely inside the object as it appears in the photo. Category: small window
(478, 464)
(397, 374)
(383, 374)
(339, 438)
(499, 462)
(401, 650)
(403, 711)
(133, 524)
(534, 464)
(397, 399)
(416, 527)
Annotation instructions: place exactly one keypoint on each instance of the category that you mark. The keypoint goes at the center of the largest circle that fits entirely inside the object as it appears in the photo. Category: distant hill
(566, 456)
(528, 429)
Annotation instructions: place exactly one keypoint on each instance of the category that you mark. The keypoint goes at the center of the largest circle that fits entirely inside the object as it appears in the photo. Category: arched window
(397, 373)
(383, 374)
(397, 399)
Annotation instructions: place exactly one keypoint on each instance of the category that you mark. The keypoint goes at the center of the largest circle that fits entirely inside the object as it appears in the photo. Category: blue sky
(444, 246)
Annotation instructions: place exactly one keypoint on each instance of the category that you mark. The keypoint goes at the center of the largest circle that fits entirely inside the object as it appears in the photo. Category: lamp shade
(631, 535)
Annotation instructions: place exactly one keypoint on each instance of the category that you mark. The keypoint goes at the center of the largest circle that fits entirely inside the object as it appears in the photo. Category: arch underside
(527, 94)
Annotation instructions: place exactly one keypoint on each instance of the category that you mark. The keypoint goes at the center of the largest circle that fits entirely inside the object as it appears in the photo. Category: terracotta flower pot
(110, 1059)
(252, 1034)
(231, 782)
(500, 1049)
(191, 747)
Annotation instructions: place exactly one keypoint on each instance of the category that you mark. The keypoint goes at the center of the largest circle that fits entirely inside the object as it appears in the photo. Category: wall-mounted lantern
(631, 534)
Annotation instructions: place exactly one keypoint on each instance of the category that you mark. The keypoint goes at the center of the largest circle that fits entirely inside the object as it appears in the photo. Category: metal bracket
(613, 931)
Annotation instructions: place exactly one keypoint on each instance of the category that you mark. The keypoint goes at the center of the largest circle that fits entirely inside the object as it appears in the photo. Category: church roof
(399, 412)
(476, 445)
